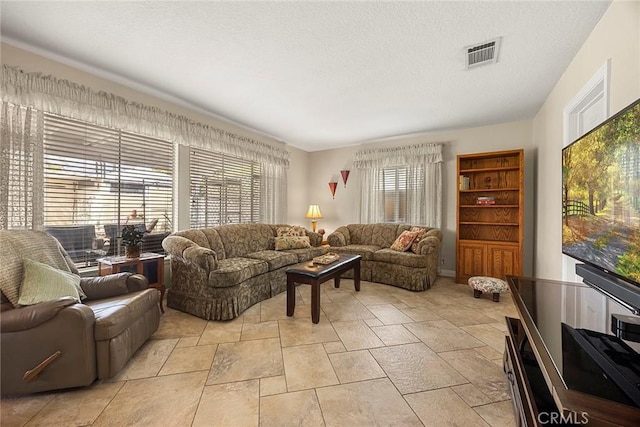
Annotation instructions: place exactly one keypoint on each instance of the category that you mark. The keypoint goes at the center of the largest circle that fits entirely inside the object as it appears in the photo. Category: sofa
(219, 272)
(414, 269)
(59, 342)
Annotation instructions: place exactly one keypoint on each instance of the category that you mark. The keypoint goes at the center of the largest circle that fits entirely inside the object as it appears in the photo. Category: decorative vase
(132, 251)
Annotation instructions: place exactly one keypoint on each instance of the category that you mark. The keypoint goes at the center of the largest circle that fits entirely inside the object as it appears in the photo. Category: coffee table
(316, 274)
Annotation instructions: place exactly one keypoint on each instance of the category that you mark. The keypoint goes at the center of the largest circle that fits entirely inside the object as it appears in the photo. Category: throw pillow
(282, 231)
(41, 282)
(404, 240)
(296, 230)
(292, 242)
(291, 231)
(421, 232)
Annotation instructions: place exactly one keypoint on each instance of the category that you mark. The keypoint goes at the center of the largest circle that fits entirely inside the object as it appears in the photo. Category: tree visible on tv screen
(601, 196)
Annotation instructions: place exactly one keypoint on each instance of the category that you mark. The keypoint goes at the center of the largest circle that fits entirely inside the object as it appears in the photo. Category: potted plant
(131, 239)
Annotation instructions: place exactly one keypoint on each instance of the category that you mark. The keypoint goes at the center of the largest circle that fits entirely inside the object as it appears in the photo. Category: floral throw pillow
(421, 232)
(291, 231)
(292, 242)
(404, 241)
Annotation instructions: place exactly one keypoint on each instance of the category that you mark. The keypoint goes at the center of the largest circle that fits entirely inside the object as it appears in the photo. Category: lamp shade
(313, 212)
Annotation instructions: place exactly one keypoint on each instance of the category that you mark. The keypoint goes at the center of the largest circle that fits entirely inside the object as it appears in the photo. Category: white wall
(617, 36)
(325, 166)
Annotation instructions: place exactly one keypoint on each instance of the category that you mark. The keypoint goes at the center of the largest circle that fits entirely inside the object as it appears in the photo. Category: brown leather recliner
(60, 344)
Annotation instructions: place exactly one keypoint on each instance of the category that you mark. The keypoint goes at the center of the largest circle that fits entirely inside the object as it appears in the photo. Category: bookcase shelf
(489, 234)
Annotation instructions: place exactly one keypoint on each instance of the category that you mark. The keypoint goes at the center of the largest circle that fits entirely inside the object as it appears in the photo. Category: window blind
(393, 183)
(97, 179)
(224, 189)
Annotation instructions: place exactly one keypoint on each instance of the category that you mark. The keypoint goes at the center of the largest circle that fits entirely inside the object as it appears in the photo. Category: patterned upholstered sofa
(218, 272)
(415, 271)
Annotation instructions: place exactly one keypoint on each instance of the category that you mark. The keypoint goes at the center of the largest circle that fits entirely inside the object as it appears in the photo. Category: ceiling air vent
(483, 53)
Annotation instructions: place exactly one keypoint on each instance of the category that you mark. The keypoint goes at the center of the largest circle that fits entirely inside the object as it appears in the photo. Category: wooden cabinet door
(471, 261)
(503, 260)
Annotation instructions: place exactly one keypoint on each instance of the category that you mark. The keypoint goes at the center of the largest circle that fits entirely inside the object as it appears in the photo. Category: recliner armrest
(23, 318)
(111, 285)
(138, 282)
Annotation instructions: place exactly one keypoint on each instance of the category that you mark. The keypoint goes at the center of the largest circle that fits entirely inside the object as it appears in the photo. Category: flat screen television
(601, 201)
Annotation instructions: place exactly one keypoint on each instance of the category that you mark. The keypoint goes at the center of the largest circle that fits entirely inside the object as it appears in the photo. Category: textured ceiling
(319, 75)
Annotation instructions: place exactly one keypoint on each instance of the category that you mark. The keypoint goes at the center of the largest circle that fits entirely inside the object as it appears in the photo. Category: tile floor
(381, 357)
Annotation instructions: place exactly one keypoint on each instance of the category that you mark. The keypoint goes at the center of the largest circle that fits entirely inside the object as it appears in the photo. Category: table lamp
(314, 214)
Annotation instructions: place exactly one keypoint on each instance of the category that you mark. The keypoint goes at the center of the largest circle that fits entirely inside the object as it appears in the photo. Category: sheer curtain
(423, 166)
(273, 194)
(68, 99)
(21, 175)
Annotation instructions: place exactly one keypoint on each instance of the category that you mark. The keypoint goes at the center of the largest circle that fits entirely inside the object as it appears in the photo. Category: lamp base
(313, 225)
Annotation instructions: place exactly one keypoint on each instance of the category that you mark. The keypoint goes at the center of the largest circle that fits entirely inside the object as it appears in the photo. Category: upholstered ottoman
(481, 284)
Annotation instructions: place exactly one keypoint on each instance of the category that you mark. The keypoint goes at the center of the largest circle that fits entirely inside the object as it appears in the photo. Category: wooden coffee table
(316, 274)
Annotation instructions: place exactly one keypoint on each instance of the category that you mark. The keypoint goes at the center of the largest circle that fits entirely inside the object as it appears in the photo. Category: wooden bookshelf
(489, 235)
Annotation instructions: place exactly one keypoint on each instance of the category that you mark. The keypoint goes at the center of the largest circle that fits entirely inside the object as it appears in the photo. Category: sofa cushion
(41, 282)
(307, 254)
(292, 242)
(404, 241)
(366, 251)
(242, 239)
(115, 314)
(233, 271)
(275, 259)
(407, 259)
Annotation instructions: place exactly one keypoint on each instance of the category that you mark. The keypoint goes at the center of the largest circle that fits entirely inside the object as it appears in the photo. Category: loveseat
(414, 269)
(219, 272)
(53, 342)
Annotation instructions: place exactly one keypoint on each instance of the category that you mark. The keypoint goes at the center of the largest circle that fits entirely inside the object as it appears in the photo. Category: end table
(148, 264)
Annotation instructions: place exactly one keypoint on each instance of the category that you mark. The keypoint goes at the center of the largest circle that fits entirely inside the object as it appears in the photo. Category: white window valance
(53, 95)
(398, 156)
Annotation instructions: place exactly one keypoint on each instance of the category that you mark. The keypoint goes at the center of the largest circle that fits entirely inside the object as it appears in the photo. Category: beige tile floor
(381, 357)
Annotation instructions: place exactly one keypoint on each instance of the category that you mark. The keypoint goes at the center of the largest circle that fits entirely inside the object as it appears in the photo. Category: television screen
(601, 196)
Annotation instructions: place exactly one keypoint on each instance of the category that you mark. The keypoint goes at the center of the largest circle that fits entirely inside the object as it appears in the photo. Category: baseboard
(447, 273)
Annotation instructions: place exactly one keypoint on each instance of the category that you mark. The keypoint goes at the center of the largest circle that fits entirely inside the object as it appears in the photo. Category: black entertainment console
(561, 374)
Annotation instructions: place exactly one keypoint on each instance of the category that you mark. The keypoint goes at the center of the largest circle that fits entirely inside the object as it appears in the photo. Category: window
(397, 184)
(224, 189)
(401, 184)
(394, 194)
(97, 179)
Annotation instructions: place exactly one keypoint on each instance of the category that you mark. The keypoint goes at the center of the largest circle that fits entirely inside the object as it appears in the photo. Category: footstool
(481, 284)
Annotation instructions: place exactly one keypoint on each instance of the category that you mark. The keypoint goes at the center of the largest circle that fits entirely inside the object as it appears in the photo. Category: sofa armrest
(340, 237)
(429, 245)
(21, 319)
(434, 232)
(190, 252)
(314, 238)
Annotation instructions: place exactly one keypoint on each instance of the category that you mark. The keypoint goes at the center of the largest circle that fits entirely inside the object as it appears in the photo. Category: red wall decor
(332, 186)
(345, 177)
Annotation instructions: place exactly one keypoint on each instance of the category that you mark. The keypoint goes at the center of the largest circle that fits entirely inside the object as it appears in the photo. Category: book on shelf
(463, 182)
(485, 201)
